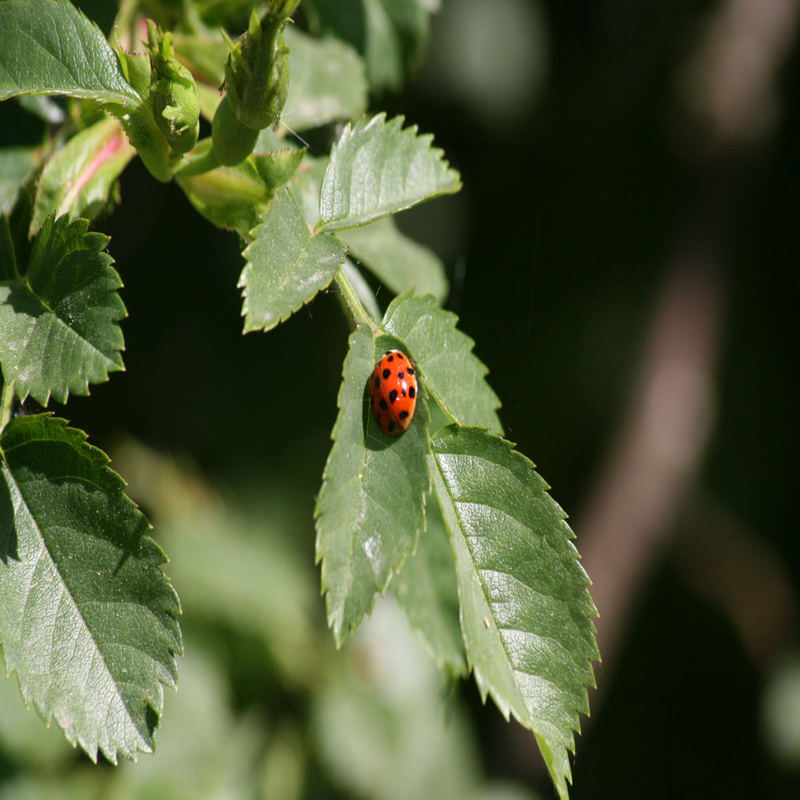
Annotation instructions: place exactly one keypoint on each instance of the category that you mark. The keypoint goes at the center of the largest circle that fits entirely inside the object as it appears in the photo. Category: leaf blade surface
(526, 612)
(50, 47)
(371, 507)
(59, 328)
(286, 265)
(377, 168)
(88, 621)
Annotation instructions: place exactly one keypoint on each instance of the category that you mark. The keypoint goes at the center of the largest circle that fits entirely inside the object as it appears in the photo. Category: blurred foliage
(554, 251)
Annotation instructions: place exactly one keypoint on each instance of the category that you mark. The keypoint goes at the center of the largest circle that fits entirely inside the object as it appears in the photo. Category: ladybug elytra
(393, 389)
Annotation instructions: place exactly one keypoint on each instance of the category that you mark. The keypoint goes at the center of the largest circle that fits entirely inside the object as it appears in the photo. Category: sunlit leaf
(49, 47)
(444, 357)
(286, 265)
(371, 507)
(526, 612)
(88, 622)
(378, 168)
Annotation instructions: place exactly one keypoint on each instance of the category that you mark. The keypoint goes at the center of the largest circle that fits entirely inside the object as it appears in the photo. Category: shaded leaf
(77, 180)
(59, 327)
(378, 168)
(88, 622)
(526, 612)
(427, 590)
(49, 47)
(390, 34)
(399, 262)
(237, 197)
(16, 164)
(444, 357)
(327, 82)
(286, 265)
(306, 183)
(371, 507)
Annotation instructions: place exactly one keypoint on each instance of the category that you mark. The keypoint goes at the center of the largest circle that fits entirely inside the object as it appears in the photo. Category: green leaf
(427, 591)
(8, 255)
(390, 34)
(236, 198)
(327, 82)
(399, 262)
(305, 185)
(444, 357)
(371, 507)
(16, 164)
(77, 180)
(88, 621)
(49, 47)
(286, 265)
(378, 168)
(59, 327)
(526, 612)
(276, 166)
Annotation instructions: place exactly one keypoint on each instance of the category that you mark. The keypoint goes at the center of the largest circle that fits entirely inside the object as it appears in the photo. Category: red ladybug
(393, 389)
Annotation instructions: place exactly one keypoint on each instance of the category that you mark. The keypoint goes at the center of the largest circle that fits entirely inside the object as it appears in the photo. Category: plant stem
(6, 401)
(352, 304)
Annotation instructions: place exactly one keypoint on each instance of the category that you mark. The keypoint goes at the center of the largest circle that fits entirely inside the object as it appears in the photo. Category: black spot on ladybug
(377, 381)
(386, 373)
(411, 371)
(412, 392)
(404, 392)
(391, 358)
(393, 395)
(401, 375)
(383, 404)
(403, 414)
(390, 426)
(400, 356)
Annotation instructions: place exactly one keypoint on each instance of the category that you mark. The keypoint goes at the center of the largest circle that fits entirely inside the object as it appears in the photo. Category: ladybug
(393, 389)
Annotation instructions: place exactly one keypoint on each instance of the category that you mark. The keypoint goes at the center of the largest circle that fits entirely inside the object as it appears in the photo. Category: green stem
(349, 298)
(6, 403)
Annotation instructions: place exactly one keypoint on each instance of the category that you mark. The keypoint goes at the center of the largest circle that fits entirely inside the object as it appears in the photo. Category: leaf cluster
(450, 515)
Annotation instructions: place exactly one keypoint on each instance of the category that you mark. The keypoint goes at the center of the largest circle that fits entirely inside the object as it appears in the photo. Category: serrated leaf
(526, 612)
(77, 180)
(49, 47)
(399, 262)
(327, 82)
(59, 327)
(16, 164)
(377, 168)
(88, 622)
(427, 590)
(286, 265)
(371, 507)
(444, 357)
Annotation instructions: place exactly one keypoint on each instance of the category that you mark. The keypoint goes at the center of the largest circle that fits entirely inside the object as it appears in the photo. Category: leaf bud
(173, 93)
(257, 71)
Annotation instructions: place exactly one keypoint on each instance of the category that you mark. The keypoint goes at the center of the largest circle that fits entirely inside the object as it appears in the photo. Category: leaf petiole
(352, 303)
